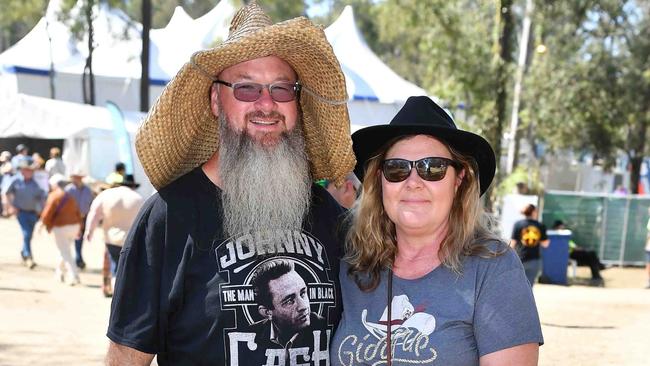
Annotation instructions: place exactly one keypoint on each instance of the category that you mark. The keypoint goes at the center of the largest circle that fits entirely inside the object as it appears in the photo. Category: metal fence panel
(614, 226)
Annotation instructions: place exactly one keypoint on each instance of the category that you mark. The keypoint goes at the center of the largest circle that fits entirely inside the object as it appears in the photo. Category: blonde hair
(55, 152)
(371, 243)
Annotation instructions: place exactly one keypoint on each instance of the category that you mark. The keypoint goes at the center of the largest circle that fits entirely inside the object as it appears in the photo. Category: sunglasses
(430, 169)
(245, 91)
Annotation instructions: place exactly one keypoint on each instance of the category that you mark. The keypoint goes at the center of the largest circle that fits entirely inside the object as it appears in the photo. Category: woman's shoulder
(496, 255)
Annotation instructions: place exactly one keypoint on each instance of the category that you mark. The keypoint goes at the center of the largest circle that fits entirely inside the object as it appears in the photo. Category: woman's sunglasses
(430, 169)
(245, 91)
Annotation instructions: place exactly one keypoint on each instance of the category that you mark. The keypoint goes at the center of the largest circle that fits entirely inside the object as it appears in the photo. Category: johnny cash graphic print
(276, 293)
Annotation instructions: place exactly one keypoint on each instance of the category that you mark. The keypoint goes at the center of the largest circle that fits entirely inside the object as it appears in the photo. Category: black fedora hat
(129, 181)
(422, 116)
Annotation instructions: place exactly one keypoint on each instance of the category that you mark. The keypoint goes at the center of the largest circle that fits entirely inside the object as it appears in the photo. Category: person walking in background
(55, 165)
(116, 208)
(5, 174)
(22, 153)
(5, 158)
(24, 198)
(84, 197)
(62, 218)
(345, 194)
(117, 176)
(40, 175)
(527, 236)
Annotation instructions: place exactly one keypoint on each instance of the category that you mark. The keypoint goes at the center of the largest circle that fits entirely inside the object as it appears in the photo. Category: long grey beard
(264, 188)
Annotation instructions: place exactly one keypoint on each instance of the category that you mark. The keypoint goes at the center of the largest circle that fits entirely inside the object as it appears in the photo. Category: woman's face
(417, 206)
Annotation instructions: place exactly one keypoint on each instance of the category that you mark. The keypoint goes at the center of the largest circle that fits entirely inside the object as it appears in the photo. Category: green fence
(612, 225)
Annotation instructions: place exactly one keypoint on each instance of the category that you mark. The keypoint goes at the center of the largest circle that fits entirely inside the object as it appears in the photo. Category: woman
(62, 218)
(527, 235)
(424, 282)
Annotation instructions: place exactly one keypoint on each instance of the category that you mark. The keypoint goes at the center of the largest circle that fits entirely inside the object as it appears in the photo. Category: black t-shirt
(528, 233)
(184, 292)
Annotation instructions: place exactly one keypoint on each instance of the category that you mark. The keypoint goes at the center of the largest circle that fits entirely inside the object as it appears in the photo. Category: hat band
(303, 88)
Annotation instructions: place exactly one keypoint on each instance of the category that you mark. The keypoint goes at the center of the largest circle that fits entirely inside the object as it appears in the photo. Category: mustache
(260, 114)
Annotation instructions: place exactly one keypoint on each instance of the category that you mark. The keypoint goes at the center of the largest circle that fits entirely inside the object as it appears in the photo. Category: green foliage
(17, 18)
(447, 47)
(528, 175)
(590, 90)
(162, 10)
(280, 10)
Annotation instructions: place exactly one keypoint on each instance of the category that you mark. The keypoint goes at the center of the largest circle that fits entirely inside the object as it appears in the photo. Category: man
(24, 198)
(61, 218)
(5, 174)
(232, 147)
(84, 197)
(345, 194)
(22, 153)
(583, 256)
(287, 320)
(116, 208)
(55, 165)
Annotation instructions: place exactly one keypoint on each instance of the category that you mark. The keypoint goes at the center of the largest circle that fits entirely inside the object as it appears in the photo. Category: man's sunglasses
(249, 92)
(430, 169)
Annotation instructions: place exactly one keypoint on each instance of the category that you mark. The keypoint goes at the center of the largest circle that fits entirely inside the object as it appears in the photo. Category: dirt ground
(44, 322)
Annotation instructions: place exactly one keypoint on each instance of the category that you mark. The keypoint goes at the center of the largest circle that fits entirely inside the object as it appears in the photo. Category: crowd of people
(67, 208)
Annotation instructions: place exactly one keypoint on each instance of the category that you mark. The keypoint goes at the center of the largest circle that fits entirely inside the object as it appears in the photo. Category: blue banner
(121, 136)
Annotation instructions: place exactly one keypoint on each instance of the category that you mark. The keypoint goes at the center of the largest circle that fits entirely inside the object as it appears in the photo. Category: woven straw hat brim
(368, 141)
(181, 133)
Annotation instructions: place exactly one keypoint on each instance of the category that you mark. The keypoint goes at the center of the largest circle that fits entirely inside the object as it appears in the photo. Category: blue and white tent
(376, 92)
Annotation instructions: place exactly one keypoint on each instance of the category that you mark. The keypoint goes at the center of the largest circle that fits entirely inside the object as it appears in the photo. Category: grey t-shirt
(441, 318)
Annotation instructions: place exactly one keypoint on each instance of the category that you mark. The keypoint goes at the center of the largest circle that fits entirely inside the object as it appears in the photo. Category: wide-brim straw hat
(181, 132)
(422, 116)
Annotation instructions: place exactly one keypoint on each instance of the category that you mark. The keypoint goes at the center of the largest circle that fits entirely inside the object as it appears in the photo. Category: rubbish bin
(555, 258)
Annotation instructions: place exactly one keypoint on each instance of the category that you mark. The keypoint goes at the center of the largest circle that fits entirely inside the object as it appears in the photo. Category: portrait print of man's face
(289, 301)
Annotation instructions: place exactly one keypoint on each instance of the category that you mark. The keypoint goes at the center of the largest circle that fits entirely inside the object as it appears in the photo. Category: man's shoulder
(192, 181)
(323, 202)
(57, 194)
(177, 199)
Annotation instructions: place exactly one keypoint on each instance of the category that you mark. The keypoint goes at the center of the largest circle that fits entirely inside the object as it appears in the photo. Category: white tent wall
(125, 92)
(94, 151)
(365, 113)
(67, 87)
(87, 131)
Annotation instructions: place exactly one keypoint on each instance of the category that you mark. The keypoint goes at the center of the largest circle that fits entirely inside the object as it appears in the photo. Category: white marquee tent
(87, 131)
(375, 91)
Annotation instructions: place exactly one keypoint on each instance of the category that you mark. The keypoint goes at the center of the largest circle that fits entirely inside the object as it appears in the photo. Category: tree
(590, 91)
(144, 70)
(459, 51)
(17, 18)
(79, 15)
(279, 10)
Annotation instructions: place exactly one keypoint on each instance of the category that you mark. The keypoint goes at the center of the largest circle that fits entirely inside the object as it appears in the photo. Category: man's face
(27, 173)
(77, 180)
(264, 119)
(290, 302)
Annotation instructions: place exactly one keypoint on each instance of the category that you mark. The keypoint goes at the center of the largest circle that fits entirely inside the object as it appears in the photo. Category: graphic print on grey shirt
(441, 318)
